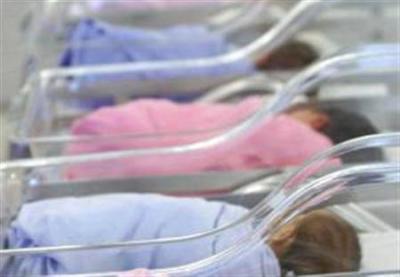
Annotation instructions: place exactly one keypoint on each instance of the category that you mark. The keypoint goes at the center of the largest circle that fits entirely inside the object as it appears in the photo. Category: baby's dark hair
(292, 55)
(344, 125)
(322, 243)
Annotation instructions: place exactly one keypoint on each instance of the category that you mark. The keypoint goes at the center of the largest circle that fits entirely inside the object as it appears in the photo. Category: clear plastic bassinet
(53, 102)
(364, 196)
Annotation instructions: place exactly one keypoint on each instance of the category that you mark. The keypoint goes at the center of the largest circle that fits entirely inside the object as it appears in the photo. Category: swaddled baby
(116, 218)
(284, 140)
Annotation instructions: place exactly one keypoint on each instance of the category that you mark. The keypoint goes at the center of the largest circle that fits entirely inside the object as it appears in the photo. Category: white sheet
(381, 251)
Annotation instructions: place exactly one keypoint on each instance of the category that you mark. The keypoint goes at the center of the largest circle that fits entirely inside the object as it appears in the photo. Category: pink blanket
(281, 141)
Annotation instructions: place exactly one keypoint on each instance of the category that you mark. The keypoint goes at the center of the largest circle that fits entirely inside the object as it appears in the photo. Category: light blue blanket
(96, 43)
(123, 217)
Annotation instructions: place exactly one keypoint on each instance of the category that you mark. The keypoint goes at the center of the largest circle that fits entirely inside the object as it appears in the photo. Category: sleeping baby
(316, 242)
(287, 139)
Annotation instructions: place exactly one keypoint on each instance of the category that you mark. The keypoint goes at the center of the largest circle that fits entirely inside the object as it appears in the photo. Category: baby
(316, 242)
(287, 139)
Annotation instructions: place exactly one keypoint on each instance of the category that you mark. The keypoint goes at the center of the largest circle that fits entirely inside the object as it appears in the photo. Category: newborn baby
(317, 242)
(284, 140)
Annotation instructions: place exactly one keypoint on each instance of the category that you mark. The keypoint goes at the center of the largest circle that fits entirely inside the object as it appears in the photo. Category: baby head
(292, 55)
(339, 125)
(315, 243)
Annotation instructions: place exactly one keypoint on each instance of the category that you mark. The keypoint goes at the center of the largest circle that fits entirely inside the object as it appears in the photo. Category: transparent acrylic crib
(366, 195)
(52, 20)
(51, 102)
(240, 33)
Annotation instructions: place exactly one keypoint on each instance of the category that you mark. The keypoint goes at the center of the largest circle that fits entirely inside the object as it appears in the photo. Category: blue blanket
(96, 43)
(115, 218)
